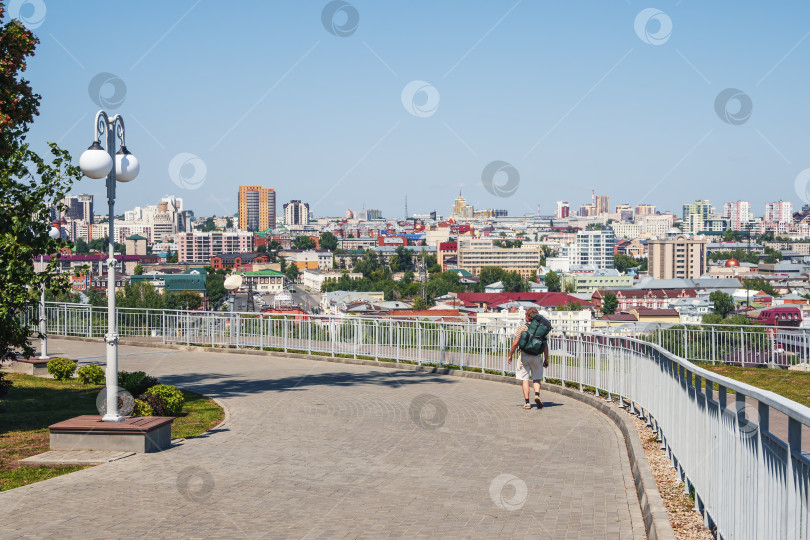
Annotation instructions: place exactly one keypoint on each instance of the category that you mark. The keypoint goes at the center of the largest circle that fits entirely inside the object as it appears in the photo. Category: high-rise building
(257, 208)
(461, 209)
(563, 210)
(694, 215)
(587, 210)
(625, 212)
(738, 213)
(602, 204)
(296, 213)
(79, 208)
(778, 212)
(680, 257)
(645, 209)
(596, 248)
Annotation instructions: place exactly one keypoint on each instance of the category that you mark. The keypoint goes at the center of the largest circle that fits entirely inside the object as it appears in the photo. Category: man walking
(529, 367)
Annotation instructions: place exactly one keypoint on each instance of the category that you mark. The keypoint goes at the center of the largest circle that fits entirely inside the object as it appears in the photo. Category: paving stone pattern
(314, 449)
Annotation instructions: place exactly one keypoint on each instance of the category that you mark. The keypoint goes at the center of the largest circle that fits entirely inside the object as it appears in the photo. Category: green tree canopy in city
(81, 246)
(138, 270)
(624, 262)
(610, 303)
(328, 241)
(759, 284)
(29, 186)
(723, 303)
(303, 242)
(552, 280)
(292, 272)
(402, 260)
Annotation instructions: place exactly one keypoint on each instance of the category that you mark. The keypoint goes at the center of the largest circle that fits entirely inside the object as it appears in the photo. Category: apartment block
(738, 213)
(655, 225)
(596, 248)
(257, 208)
(602, 204)
(680, 257)
(201, 246)
(645, 210)
(296, 213)
(476, 254)
(778, 212)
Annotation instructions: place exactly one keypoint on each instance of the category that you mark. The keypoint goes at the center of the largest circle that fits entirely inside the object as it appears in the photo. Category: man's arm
(514, 346)
(545, 354)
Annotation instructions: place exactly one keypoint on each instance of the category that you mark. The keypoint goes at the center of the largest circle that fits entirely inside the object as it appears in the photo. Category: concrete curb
(656, 520)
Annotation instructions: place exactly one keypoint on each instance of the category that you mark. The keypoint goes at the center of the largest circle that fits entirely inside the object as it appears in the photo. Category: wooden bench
(31, 366)
(88, 432)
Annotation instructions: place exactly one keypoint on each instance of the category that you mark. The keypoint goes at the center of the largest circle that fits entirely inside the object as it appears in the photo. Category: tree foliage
(552, 281)
(303, 242)
(328, 241)
(759, 284)
(624, 262)
(610, 303)
(723, 303)
(29, 185)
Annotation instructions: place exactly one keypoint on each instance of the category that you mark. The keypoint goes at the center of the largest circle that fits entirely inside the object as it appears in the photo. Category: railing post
(89, 322)
(685, 355)
(287, 332)
(714, 345)
(581, 361)
(376, 341)
(463, 329)
(597, 354)
(188, 330)
(441, 345)
(419, 341)
(309, 337)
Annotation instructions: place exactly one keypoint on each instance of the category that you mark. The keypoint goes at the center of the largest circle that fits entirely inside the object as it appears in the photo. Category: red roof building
(542, 299)
(643, 298)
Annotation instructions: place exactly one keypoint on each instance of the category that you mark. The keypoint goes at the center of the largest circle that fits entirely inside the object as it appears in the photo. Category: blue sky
(566, 92)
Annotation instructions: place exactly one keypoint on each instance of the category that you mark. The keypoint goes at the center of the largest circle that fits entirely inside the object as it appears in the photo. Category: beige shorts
(529, 367)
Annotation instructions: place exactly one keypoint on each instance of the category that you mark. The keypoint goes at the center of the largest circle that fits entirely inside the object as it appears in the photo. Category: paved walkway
(314, 449)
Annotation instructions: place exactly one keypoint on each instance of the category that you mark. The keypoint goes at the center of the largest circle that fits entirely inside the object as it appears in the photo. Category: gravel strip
(687, 524)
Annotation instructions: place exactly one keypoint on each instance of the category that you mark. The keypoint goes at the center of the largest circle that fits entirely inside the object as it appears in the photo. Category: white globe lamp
(95, 162)
(126, 165)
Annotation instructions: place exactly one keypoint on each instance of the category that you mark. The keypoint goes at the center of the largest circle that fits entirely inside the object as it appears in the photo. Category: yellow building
(257, 208)
(473, 255)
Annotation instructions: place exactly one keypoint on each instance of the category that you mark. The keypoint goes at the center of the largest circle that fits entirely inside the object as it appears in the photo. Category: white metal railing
(738, 448)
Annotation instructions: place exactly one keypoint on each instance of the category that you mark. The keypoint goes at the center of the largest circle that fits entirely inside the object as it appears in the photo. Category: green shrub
(136, 382)
(174, 398)
(142, 408)
(62, 369)
(5, 385)
(91, 375)
(155, 403)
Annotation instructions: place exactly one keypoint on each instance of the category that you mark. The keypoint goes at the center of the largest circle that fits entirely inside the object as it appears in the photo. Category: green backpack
(533, 340)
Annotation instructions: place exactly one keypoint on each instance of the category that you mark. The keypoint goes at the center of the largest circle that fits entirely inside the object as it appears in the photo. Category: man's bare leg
(526, 390)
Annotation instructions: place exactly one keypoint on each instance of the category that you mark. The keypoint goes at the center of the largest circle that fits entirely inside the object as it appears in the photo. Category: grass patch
(199, 415)
(34, 403)
(793, 385)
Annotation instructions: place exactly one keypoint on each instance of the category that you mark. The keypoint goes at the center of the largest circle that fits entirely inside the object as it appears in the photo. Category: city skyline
(571, 99)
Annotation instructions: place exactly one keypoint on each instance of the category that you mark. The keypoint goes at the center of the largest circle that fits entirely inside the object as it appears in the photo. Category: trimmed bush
(91, 375)
(155, 403)
(62, 369)
(173, 397)
(136, 382)
(142, 408)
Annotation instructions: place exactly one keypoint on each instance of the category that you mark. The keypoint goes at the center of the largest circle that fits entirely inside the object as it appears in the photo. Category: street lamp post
(54, 233)
(98, 163)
